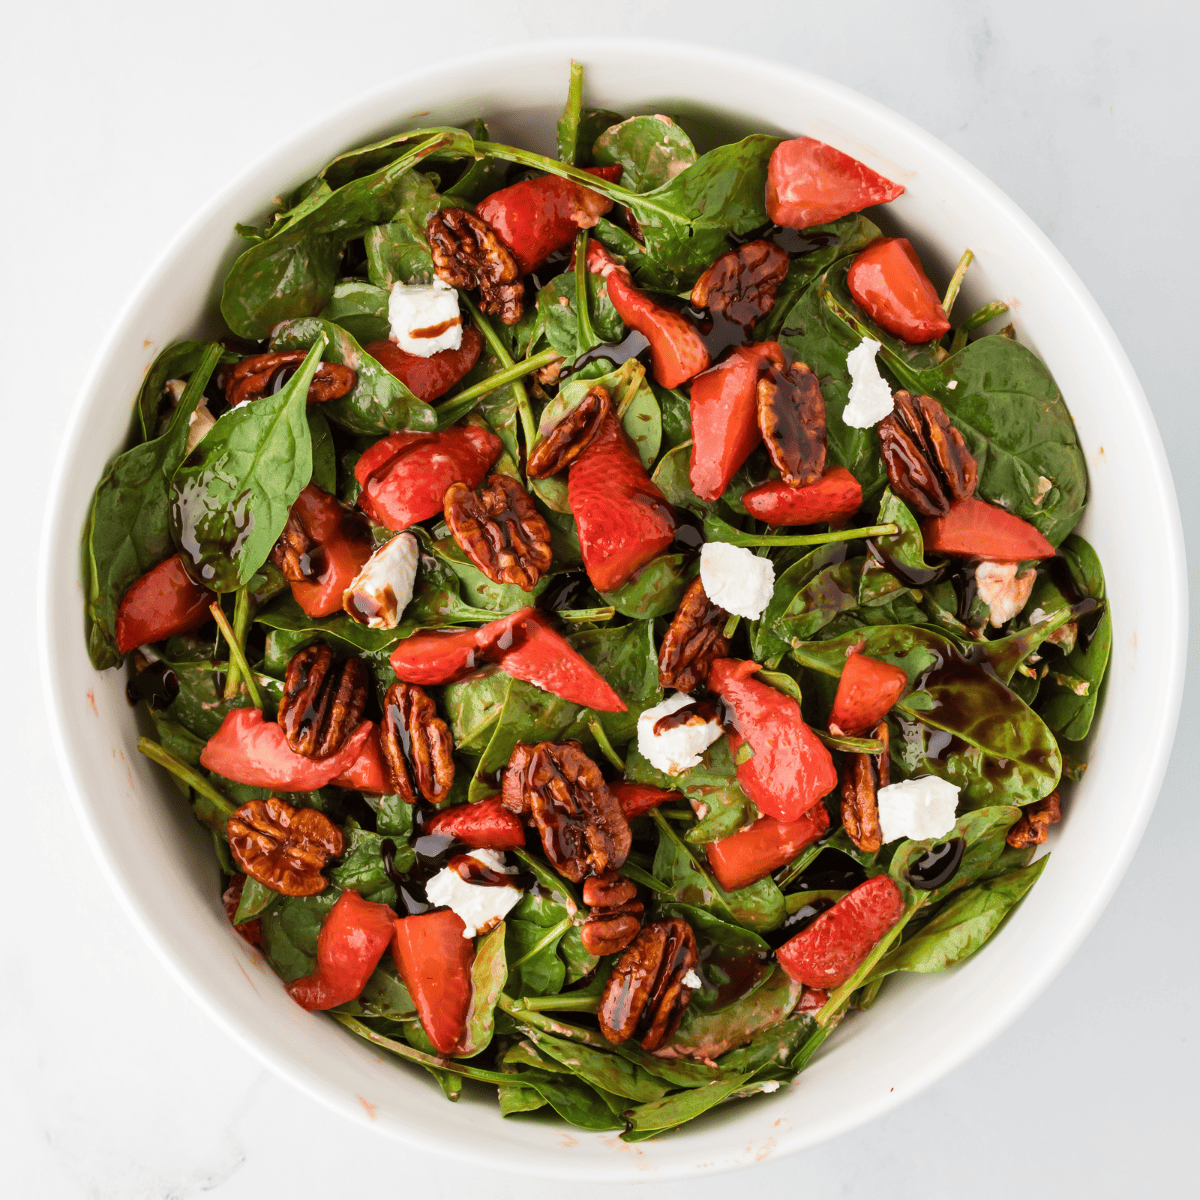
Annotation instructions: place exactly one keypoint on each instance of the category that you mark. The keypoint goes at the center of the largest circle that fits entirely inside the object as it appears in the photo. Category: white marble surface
(121, 118)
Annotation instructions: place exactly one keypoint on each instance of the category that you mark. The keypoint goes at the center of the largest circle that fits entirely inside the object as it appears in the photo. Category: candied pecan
(293, 552)
(560, 789)
(692, 642)
(467, 254)
(1033, 825)
(571, 436)
(251, 378)
(862, 777)
(411, 732)
(646, 995)
(791, 417)
(284, 848)
(928, 464)
(500, 530)
(323, 701)
(616, 913)
(741, 284)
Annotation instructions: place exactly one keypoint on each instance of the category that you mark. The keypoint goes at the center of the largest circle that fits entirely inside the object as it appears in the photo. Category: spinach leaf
(370, 159)
(905, 549)
(291, 272)
(573, 1100)
(684, 223)
(532, 949)
(957, 720)
(231, 498)
(1069, 694)
(828, 593)
(472, 708)
(478, 589)
(651, 151)
(557, 310)
(127, 529)
(289, 932)
(627, 659)
(958, 929)
(175, 362)
(488, 975)
(255, 898)
(378, 402)
(324, 455)
(766, 642)
(361, 309)
(606, 1071)
(734, 961)
(656, 590)
(385, 996)
(361, 866)
(671, 1111)
(398, 251)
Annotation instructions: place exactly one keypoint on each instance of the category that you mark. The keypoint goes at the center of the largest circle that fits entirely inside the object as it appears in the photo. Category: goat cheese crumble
(480, 906)
(736, 579)
(425, 318)
(678, 749)
(870, 396)
(917, 808)
(380, 592)
(1003, 590)
(692, 980)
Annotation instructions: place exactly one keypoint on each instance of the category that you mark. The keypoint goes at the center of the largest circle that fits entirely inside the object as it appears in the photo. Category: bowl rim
(60, 532)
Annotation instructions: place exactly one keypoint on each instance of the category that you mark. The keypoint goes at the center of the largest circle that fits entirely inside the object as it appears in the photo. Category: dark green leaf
(289, 932)
(655, 591)
(488, 976)
(361, 309)
(651, 151)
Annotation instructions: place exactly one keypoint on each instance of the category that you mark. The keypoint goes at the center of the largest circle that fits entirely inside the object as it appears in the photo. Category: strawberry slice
(834, 497)
(429, 378)
(975, 529)
(161, 603)
(434, 960)
(344, 541)
(623, 519)
(889, 284)
(810, 183)
(752, 854)
(865, 694)
(484, 825)
(832, 948)
(637, 799)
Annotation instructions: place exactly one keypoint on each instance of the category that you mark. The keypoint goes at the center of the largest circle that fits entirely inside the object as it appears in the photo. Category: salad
(612, 612)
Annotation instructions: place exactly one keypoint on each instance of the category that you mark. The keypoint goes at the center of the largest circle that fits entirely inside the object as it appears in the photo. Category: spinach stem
(569, 900)
(633, 384)
(606, 747)
(586, 614)
(644, 877)
(573, 113)
(989, 312)
(841, 997)
(496, 345)
(161, 755)
(237, 656)
(867, 998)
(434, 1062)
(692, 854)
(241, 622)
(548, 939)
(585, 335)
(461, 404)
(958, 341)
(736, 538)
(956, 280)
(560, 1003)
(527, 1016)
(730, 626)
(851, 745)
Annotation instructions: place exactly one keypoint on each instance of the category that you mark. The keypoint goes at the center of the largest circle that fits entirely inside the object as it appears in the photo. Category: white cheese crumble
(870, 397)
(917, 808)
(769, 1085)
(481, 907)
(692, 980)
(425, 318)
(380, 592)
(200, 421)
(736, 579)
(678, 749)
(1003, 590)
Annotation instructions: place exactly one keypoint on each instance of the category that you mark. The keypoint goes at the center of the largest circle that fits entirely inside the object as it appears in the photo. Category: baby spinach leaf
(608, 1072)
(831, 591)
(340, 631)
(627, 659)
(472, 708)
(684, 223)
(651, 151)
(385, 995)
(292, 272)
(958, 929)
(361, 867)
(515, 1098)
(488, 975)
(532, 949)
(905, 549)
(958, 721)
(127, 529)
(773, 1047)
(398, 251)
(482, 177)
(767, 644)
(655, 591)
(1068, 698)
(370, 159)
(557, 309)
(573, 1100)
(361, 309)
(478, 589)
(255, 898)
(734, 962)
(676, 1109)
(175, 362)
(324, 455)
(289, 932)
(231, 499)
(378, 402)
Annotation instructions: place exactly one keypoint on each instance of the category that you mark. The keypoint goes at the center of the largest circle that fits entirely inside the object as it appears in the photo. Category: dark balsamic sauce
(689, 532)
(433, 851)
(798, 921)
(937, 866)
(158, 685)
(699, 712)
(630, 346)
(913, 577)
(830, 870)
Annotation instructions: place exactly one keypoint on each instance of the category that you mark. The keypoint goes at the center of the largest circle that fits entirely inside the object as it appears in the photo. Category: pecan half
(293, 553)
(467, 254)
(862, 777)
(1033, 825)
(646, 995)
(693, 641)
(928, 464)
(254, 376)
(417, 744)
(284, 848)
(557, 787)
(323, 701)
(500, 530)
(741, 284)
(570, 437)
(791, 418)
(616, 914)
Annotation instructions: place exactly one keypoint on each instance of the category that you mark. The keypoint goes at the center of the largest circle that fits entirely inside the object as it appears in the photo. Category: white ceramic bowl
(161, 863)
